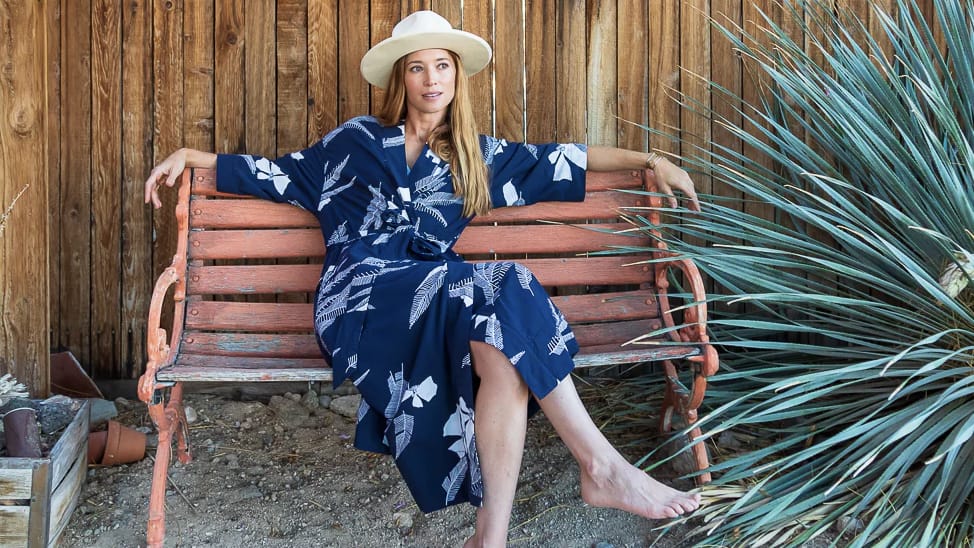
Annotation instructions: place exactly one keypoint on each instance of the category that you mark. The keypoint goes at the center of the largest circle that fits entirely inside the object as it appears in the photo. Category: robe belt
(421, 245)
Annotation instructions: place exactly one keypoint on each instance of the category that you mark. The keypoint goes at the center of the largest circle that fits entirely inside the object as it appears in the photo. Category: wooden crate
(37, 496)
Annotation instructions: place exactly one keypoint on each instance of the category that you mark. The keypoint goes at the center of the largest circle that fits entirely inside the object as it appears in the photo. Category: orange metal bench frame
(608, 299)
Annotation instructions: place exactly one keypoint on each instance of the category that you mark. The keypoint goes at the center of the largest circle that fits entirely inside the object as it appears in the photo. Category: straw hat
(418, 31)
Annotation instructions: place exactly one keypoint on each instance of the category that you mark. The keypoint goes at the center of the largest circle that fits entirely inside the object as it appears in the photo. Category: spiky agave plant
(853, 362)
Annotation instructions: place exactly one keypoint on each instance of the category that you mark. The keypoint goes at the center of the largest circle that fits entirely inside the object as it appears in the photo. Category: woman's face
(430, 81)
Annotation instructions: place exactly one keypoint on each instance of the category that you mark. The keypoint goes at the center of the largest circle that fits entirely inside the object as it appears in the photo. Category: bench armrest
(161, 353)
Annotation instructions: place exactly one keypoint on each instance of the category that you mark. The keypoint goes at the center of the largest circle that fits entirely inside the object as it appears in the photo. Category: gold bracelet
(653, 160)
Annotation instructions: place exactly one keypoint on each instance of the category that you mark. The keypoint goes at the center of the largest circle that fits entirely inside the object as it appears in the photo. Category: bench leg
(170, 420)
(678, 400)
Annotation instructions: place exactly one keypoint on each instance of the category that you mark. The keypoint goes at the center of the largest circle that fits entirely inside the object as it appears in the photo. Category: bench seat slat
(597, 334)
(619, 355)
(270, 279)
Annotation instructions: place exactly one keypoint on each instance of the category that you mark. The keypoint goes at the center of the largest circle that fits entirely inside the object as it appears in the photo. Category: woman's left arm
(669, 176)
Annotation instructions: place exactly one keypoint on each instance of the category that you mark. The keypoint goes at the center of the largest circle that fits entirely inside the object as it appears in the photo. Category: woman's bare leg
(608, 479)
(500, 422)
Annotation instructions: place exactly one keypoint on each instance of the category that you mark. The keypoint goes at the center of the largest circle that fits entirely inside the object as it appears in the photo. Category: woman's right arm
(171, 167)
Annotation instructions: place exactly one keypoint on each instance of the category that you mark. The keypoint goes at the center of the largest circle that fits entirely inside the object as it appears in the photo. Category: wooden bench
(217, 335)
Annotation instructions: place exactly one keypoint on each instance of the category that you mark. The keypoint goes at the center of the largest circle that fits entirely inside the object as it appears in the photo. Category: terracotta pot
(123, 445)
(21, 432)
(96, 446)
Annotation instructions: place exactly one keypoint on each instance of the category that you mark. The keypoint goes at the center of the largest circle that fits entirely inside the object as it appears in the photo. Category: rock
(849, 524)
(403, 520)
(346, 389)
(728, 440)
(310, 400)
(54, 417)
(604, 545)
(101, 411)
(346, 406)
(191, 415)
(324, 401)
(292, 397)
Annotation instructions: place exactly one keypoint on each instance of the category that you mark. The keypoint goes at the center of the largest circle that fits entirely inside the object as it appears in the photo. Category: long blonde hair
(457, 141)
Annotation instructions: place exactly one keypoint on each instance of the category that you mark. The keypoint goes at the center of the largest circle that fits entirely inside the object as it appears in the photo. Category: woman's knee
(492, 366)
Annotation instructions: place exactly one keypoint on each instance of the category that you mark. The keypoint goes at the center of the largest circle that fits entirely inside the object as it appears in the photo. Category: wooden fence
(128, 82)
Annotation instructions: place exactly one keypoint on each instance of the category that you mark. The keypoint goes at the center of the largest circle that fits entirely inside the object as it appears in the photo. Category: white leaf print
(340, 235)
(353, 364)
(267, 169)
(517, 357)
(355, 123)
(396, 386)
(426, 292)
(492, 331)
(561, 157)
(488, 277)
(524, 276)
(511, 196)
(331, 179)
(361, 378)
(404, 432)
(464, 290)
(432, 182)
(453, 482)
(363, 409)
(389, 142)
(373, 213)
(423, 392)
(466, 361)
(432, 212)
(297, 155)
(440, 199)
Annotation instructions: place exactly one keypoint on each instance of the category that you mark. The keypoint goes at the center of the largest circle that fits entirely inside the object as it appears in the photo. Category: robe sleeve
(523, 174)
(294, 178)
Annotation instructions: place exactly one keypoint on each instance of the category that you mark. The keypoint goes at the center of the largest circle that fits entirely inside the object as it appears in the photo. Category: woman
(422, 334)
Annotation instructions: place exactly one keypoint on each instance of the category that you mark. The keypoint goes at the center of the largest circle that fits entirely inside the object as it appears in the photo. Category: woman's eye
(415, 68)
(443, 66)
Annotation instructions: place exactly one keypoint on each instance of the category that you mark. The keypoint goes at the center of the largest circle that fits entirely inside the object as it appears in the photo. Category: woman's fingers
(170, 168)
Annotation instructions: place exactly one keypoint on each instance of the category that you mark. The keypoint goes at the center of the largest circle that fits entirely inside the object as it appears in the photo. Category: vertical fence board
(106, 156)
(229, 73)
(753, 86)
(540, 71)
(23, 164)
(571, 82)
(353, 42)
(198, 82)
(477, 18)
(292, 75)
(603, 42)
(631, 91)
(53, 33)
(136, 163)
(260, 94)
(383, 16)
(75, 204)
(322, 67)
(695, 60)
(509, 70)
(726, 73)
(664, 74)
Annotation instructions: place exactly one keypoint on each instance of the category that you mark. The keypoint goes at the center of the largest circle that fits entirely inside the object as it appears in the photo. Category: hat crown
(419, 22)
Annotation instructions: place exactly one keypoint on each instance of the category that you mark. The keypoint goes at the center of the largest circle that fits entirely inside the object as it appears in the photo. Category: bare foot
(623, 486)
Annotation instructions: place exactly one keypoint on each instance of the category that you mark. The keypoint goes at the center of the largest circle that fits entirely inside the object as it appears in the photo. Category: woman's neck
(422, 126)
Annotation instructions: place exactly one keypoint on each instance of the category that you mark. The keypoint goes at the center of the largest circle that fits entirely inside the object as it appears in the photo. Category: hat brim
(377, 63)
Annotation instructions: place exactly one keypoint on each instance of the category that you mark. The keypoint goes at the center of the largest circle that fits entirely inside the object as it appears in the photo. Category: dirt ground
(281, 471)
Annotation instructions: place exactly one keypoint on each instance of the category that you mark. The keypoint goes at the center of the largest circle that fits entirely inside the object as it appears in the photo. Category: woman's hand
(670, 177)
(169, 169)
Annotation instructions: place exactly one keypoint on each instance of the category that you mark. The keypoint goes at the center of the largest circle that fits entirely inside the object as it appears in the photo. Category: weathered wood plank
(695, 61)
(571, 85)
(260, 83)
(322, 67)
(257, 244)
(612, 355)
(279, 345)
(198, 83)
(72, 442)
(753, 86)
(664, 74)
(476, 18)
(540, 118)
(15, 483)
(546, 239)
(509, 70)
(106, 162)
(53, 68)
(632, 55)
(229, 71)
(136, 163)
(66, 495)
(24, 270)
(599, 334)
(353, 30)
(726, 72)
(292, 75)
(234, 316)
(75, 206)
(14, 523)
(603, 43)
(240, 372)
(383, 16)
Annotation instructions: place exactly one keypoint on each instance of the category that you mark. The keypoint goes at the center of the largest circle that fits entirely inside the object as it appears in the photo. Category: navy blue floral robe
(396, 308)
